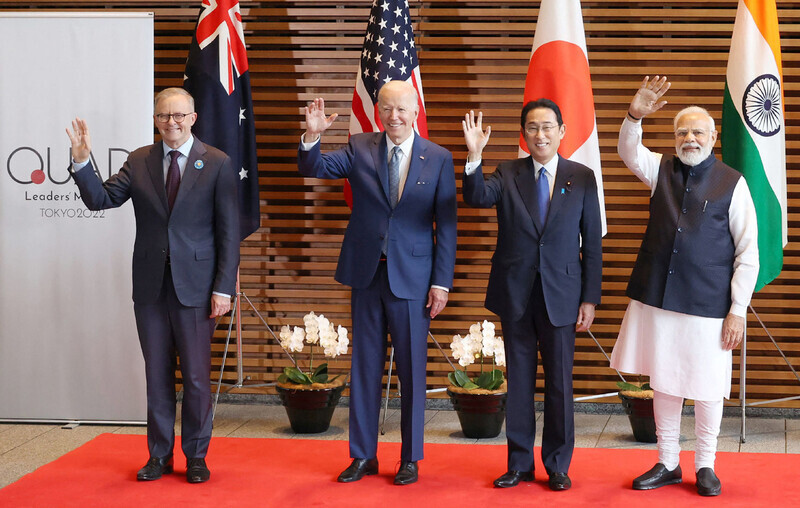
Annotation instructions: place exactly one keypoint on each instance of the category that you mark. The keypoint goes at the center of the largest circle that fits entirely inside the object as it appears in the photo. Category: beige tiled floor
(25, 447)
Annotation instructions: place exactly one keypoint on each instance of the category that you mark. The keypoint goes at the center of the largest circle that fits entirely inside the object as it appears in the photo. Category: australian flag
(218, 77)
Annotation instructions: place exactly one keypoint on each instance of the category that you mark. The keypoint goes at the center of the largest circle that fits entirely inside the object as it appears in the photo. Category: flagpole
(743, 380)
(236, 316)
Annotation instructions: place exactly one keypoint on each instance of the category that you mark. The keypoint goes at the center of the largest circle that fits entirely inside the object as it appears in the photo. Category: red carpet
(272, 473)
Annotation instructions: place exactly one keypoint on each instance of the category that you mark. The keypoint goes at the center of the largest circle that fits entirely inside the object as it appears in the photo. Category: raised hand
(646, 100)
(80, 139)
(316, 121)
(474, 135)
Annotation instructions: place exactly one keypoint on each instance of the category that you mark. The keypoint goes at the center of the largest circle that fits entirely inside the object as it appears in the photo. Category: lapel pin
(422, 157)
(198, 164)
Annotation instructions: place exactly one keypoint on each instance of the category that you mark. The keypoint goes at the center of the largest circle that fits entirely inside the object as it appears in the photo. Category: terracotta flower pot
(481, 414)
(310, 411)
(640, 414)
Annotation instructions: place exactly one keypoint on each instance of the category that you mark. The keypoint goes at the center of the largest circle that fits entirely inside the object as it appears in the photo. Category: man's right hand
(81, 141)
(316, 121)
(474, 135)
(646, 100)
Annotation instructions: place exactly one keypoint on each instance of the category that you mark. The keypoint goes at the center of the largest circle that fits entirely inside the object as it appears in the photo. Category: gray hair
(690, 110)
(169, 92)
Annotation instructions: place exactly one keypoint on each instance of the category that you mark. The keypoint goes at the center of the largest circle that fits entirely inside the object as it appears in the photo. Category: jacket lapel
(562, 186)
(155, 167)
(416, 163)
(194, 165)
(526, 185)
(379, 159)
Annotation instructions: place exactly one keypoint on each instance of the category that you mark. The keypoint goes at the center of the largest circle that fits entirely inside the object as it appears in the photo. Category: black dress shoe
(559, 481)
(707, 482)
(512, 479)
(407, 474)
(358, 469)
(155, 467)
(197, 471)
(657, 477)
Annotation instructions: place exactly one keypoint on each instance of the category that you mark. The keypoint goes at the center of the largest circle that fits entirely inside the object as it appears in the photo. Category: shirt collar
(405, 146)
(550, 167)
(184, 149)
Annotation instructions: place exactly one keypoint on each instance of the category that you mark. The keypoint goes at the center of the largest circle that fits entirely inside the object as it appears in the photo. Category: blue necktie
(394, 176)
(543, 194)
(173, 178)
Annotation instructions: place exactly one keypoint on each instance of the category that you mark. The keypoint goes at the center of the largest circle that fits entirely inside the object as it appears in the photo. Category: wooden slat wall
(473, 55)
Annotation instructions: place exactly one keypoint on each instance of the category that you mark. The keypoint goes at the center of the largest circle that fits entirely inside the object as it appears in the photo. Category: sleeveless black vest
(685, 263)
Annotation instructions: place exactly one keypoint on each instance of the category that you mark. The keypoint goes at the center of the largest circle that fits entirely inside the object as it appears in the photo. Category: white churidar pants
(708, 417)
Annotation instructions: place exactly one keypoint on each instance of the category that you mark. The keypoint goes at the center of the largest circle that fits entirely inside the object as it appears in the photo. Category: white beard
(693, 158)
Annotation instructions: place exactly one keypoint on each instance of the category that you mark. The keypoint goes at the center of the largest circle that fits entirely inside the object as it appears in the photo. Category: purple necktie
(543, 194)
(173, 178)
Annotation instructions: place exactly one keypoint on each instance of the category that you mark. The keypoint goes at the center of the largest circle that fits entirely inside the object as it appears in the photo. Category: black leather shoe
(559, 481)
(155, 467)
(512, 479)
(707, 482)
(658, 476)
(358, 469)
(407, 474)
(197, 471)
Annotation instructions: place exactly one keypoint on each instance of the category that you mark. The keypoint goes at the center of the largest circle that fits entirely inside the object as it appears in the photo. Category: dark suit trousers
(375, 311)
(557, 348)
(167, 328)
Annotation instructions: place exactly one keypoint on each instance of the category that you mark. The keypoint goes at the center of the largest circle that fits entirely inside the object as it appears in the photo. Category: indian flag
(753, 129)
(559, 71)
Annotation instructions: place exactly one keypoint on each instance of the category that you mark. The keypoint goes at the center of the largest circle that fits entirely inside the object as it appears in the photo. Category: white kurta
(682, 353)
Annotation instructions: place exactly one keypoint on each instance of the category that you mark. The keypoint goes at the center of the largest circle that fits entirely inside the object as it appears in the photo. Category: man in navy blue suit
(185, 261)
(398, 256)
(544, 282)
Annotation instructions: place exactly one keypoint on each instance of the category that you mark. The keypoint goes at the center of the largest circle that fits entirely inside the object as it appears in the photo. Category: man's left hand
(219, 305)
(437, 300)
(732, 331)
(585, 317)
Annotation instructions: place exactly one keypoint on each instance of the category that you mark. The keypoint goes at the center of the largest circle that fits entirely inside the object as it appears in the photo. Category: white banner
(68, 343)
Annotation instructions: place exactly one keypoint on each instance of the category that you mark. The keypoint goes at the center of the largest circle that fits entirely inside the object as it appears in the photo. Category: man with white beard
(691, 284)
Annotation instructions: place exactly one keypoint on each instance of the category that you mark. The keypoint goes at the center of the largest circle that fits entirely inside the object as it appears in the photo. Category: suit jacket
(418, 255)
(201, 235)
(566, 250)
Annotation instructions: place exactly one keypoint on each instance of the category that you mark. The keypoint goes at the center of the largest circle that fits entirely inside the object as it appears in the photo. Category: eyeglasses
(545, 128)
(178, 117)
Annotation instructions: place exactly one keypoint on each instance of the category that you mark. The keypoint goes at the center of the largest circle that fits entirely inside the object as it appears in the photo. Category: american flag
(217, 75)
(389, 53)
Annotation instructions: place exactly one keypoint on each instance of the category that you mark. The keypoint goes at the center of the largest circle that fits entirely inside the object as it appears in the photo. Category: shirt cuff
(308, 146)
(738, 310)
(77, 166)
(221, 294)
(447, 290)
(471, 167)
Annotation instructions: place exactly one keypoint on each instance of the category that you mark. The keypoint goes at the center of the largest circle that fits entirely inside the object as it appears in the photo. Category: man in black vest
(691, 283)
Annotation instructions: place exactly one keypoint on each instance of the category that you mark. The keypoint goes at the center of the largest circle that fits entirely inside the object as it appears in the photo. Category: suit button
(541, 244)
(691, 173)
(684, 210)
(688, 189)
(674, 251)
(680, 230)
(671, 272)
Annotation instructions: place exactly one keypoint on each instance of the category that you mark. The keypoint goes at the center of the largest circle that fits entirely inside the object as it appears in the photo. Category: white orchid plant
(318, 331)
(480, 343)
